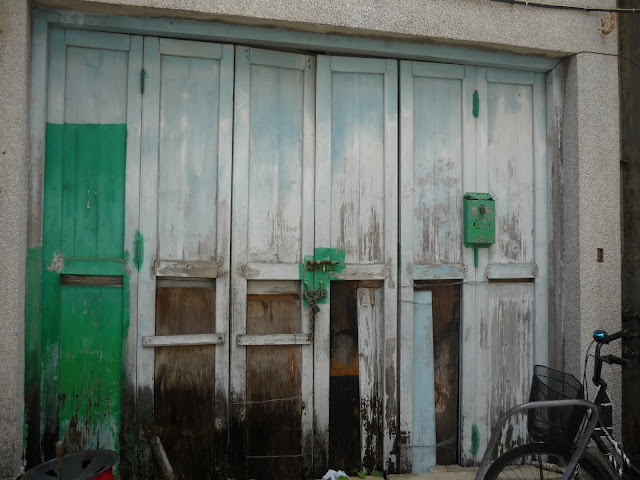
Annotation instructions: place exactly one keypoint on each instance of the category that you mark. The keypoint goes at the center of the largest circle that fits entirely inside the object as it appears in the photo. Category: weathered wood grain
(274, 390)
(184, 381)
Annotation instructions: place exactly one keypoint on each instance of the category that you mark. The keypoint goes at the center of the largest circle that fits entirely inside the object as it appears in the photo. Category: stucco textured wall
(15, 47)
(591, 215)
(476, 23)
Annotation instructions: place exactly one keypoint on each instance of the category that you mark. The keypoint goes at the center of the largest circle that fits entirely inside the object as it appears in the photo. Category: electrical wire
(568, 7)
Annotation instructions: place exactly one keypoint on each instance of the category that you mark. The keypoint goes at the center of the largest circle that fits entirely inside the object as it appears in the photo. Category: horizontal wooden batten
(272, 271)
(361, 272)
(91, 266)
(179, 268)
(182, 340)
(275, 339)
(190, 49)
(439, 272)
(106, 41)
(92, 280)
(516, 271)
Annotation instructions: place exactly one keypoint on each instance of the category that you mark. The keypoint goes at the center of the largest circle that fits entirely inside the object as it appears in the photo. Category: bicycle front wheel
(541, 461)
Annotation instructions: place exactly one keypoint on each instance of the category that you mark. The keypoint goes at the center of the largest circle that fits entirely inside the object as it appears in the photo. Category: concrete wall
(585, 294)
(15, 47)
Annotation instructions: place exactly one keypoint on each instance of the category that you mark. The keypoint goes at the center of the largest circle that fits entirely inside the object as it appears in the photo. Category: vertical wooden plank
(406, 268)
(321, 343)
(509, 348)
(148, 229)
(307, 245)
(370, 348)
(510, 161)
(542, 220)
(52, 222)
(223, 243)
(274, 400)
(446, 348)
(424, 428)
(344, 393)
(110, 399)
(188, 163)
(34, 305)
(131, 223)
(390, 402)
(473, 179)
(437, 160)
(239, 258)
(184, 381)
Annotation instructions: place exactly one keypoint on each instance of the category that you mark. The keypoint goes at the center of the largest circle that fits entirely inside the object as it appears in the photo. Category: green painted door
(85, 276)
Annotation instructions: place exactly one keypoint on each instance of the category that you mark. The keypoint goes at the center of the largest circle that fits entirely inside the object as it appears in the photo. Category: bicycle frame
(580, 447)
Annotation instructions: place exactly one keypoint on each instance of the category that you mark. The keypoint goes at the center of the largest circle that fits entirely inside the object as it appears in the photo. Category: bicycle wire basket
(557, 426)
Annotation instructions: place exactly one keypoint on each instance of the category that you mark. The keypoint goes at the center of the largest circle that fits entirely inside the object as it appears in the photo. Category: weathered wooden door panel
(274, 389)
(271, 354)
(504, 335)
(184, 377)
(437, 152)
(356, 213)
(86, 273)
(185, 224)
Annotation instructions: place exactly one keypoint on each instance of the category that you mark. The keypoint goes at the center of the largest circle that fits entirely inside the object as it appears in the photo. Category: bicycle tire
(590, 467)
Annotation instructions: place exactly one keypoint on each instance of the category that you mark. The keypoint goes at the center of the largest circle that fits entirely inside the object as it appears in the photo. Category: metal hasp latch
(479, 217)
(316, 273)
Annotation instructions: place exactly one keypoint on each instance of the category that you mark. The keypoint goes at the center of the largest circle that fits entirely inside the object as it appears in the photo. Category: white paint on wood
(362, 272)
(97, 40)
(511, 271)
(188, 269)
(371, 372)
(423, 444)
(189, 156)
(498, 318)
(182, 340)
(273, 175)
(148, 214)
(272, 271)
(274, 339)
(321, 328)
(437, 160)
(542, 218)
(132, 205)
(185, 48)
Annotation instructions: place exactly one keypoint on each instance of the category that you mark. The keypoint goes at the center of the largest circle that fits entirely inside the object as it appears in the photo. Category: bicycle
(562, 424)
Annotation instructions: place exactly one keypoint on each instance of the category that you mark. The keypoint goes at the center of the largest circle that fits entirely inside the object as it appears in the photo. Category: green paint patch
(138, 248)
(476, 104)
(319, 269)
(81, 325)
(475, 440)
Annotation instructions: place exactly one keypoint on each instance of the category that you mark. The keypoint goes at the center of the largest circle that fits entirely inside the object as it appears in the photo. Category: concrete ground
(448, 472)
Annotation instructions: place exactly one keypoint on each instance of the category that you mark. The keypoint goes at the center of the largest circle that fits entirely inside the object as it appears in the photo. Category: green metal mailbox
(479, 217)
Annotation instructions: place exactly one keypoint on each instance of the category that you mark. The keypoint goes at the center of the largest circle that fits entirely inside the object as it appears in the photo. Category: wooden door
(356, 223)
(185, 206)
(86, 276)
(505, 327)
(271, 384)
(437, 154)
